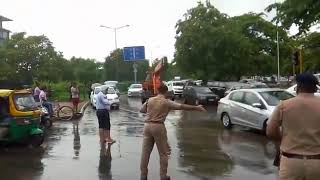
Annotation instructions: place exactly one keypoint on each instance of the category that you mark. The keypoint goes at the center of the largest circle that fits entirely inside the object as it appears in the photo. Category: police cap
(307, 79)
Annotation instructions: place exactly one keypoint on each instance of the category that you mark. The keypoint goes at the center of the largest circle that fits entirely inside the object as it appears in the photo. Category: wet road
(201, 150)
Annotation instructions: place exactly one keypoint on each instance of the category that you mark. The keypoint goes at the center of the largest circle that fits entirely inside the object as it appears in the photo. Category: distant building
(4, 33)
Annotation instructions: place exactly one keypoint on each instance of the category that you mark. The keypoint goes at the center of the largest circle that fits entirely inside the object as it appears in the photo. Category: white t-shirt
(42, 96)
(74, 92)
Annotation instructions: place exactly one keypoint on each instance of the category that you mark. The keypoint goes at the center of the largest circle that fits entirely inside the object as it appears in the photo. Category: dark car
(199, 95)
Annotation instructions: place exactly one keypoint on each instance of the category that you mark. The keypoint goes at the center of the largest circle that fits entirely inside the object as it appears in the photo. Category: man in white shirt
(103, 107)
(75, 96)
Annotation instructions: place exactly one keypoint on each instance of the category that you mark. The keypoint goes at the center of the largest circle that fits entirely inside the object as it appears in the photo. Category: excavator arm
(153, 79)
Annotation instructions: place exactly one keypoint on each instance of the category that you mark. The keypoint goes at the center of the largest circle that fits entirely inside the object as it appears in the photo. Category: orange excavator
(153, 81)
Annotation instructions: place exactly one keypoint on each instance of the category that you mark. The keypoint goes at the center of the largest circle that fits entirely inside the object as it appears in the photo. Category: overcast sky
(73, 25)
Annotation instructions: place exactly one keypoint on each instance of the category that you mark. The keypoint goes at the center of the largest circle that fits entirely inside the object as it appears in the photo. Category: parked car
(254, 83)
(293, 90)
(199, 95)
(134, 90)
(250, 107)
(111, 95)
(237, 86)
(245, 86)
(176, 87)
(111, 83)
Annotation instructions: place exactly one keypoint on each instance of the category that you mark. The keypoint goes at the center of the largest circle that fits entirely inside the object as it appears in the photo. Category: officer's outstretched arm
(192, 108)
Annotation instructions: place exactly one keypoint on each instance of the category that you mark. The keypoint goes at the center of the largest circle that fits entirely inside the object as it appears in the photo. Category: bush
(61, 91)
(123, 86)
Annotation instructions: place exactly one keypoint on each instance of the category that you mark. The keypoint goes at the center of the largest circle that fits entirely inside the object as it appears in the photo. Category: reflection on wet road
(201, 149)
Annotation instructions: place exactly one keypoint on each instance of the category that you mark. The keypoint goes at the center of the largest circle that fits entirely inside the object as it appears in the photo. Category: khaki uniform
(299, 119)
(155, 132)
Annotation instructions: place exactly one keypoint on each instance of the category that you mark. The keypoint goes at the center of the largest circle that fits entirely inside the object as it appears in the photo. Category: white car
(293, 90)
(250, 107)
(176, 87)
(135, 90)
(112, 96)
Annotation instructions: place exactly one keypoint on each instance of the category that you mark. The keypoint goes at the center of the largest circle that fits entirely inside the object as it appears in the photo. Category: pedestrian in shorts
(103, 107)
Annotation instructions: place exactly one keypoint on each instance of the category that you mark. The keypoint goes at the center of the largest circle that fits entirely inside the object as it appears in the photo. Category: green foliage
(61, 90)
(303, 13)
(27, 59)
(311, 51)
(115, 68)
(123, 86)
(211, 45)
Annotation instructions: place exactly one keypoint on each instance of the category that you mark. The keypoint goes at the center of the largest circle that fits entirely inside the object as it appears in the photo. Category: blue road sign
(134, 53)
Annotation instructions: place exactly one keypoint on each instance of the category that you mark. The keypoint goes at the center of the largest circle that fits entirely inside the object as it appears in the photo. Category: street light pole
(278, 48)
(115, 43)
(115, 32)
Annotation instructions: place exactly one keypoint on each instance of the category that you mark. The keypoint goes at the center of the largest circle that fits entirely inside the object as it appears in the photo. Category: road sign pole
(135, 70)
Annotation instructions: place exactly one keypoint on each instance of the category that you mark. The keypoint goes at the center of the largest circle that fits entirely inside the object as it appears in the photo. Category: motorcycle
(45, 119)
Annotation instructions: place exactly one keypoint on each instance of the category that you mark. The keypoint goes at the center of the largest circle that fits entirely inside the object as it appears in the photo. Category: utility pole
(278, 49)
(116, 44)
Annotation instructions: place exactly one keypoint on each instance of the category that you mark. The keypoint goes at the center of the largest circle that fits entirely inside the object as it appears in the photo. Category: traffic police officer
(157, 109)
(296, 123)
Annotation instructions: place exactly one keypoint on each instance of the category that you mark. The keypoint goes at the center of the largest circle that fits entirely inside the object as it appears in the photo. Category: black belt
(299, 156)
(155, 122)
(102, 109)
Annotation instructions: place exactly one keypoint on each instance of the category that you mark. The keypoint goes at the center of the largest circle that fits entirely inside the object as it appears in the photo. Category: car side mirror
(257, 105)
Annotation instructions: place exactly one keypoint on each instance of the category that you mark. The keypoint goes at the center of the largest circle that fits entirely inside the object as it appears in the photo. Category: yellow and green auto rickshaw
(19, 118)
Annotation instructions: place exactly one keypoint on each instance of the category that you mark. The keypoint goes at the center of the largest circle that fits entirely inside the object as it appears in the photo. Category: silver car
(250, 107)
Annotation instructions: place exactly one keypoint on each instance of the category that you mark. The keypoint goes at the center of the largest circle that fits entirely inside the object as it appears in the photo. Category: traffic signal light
(296, 58)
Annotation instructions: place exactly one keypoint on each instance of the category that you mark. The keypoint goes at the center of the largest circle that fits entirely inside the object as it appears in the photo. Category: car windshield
(25, 102)
(111, 91)
(203, 90)
(111, 83)
(178, 83)
(273, 98)
(136, 86)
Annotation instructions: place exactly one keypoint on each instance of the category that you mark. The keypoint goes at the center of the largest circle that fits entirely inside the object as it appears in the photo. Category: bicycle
(64, 112)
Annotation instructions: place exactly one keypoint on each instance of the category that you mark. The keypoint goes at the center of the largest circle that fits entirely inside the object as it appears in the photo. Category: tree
(311, 51)
(26, 59)
(211, 45)
(194, 47)
(25, 55)
(115, 65)
(302, 13)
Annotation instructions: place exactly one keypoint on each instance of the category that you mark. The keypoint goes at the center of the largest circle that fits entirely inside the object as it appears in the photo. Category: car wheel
(226, 121)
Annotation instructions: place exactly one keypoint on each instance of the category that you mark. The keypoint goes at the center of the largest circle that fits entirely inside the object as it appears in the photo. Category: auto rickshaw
(19, 118)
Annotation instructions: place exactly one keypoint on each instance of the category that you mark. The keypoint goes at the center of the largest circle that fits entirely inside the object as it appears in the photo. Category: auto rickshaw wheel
(36, 140)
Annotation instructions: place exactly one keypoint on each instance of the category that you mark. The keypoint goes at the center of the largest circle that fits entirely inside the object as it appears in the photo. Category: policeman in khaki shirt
(296, 123)
(157, 109)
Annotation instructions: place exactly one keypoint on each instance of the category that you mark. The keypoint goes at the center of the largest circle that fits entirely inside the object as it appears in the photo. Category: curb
(84, 107)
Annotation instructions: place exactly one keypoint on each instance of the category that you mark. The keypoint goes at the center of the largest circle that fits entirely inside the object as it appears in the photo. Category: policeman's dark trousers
(299, 169)
(154, 133)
